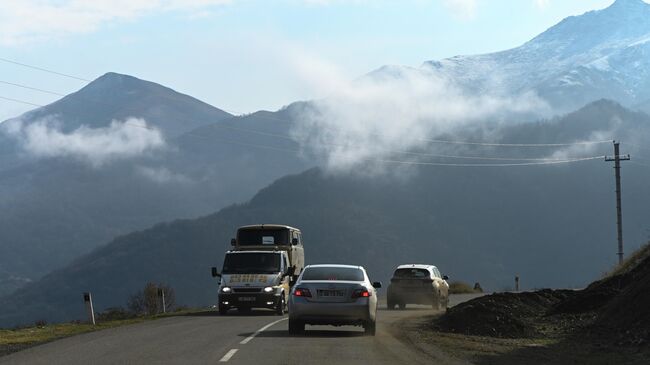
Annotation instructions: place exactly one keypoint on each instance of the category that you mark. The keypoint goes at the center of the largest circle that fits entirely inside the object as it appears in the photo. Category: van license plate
(246, 299)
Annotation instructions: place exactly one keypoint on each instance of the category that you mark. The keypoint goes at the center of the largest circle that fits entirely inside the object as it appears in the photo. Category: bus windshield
(247, 263)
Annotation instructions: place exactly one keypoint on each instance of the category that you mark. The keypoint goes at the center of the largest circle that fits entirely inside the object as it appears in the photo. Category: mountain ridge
(600, 54)
(475, 224)
(115, 96)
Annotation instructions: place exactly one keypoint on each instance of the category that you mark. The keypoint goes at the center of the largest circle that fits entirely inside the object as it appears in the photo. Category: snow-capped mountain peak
(600, 54)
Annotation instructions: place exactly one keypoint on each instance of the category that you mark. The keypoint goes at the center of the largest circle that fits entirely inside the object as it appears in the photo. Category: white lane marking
(249, 338)
(228, 355)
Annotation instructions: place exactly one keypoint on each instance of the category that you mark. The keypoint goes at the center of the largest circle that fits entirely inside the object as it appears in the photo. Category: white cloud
(96, 146)
(394, 109)
(162, 175)
(40, 20)
(464, 9)
(542, 4)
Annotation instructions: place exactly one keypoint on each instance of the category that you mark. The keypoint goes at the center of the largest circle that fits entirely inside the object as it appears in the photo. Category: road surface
(256, 338)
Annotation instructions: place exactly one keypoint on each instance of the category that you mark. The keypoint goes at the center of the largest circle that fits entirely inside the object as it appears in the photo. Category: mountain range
(600, 54)
(550, 225)
(123, 154)
(70, 180)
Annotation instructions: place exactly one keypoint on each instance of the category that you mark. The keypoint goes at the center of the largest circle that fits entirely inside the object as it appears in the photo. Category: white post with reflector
(88, 300)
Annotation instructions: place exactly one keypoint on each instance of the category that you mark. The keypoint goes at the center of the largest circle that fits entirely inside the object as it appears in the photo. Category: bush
(147, 301)
(114, 314)
(459, 287)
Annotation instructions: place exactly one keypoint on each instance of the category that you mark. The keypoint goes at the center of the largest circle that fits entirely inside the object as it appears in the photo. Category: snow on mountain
(600, 54)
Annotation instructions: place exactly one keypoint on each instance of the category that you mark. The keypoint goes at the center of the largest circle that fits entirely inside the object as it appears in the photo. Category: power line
(20, 101)
(402, 152)
(44, 70)
(537, 161)
(581, 143)
(31, 88)
(486, 144)
(493, 165)
(422, 154)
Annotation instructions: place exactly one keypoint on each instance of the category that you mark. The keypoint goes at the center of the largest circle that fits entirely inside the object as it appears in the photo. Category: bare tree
(147, 300)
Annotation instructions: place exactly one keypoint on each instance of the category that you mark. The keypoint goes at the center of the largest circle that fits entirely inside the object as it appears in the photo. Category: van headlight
(268, 289)
(226, 289)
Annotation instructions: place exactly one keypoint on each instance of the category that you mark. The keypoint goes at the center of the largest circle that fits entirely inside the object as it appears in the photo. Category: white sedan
(335, 295)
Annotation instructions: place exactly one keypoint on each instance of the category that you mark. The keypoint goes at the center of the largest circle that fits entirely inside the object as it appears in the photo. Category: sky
(247, 55)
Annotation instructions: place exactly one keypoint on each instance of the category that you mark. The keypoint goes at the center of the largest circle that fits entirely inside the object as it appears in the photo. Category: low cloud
(96, 146)
(463, 9)
(162, 175)
(542, 4)
(395, 109)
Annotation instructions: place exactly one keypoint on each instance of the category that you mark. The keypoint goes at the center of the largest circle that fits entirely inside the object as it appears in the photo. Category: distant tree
(148, 302)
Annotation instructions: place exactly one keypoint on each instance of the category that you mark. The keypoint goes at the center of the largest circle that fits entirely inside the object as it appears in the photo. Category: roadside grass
(12, 340)
(631, 262)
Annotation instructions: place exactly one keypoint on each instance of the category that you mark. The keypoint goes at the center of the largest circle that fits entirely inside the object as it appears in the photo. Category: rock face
(601, 54)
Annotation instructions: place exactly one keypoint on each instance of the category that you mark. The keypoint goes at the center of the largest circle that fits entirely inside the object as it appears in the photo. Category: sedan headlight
(226, 289)
(268, 289)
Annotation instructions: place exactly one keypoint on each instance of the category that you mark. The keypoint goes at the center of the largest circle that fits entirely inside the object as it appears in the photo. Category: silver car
(335, 295)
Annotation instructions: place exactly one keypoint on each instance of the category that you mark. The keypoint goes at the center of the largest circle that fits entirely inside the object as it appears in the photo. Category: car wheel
(279, 309)
(390, 304)
(296, 327)
(223, 310)
(402, 306)
(370, 328)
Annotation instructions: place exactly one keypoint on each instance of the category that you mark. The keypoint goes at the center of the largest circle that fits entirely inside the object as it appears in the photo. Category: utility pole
(619, 215)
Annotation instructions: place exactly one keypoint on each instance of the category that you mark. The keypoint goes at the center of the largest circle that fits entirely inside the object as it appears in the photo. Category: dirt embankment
(614, 311)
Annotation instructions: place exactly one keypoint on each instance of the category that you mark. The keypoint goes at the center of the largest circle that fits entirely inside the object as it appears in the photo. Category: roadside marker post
(517, 283)
(88, 300)
(161, 295)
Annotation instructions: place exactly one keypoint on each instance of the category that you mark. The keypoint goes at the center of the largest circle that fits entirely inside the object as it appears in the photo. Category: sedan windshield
(333, 273)
(245, 263)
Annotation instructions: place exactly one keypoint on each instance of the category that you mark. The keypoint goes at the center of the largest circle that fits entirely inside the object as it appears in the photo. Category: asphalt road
(257, 338)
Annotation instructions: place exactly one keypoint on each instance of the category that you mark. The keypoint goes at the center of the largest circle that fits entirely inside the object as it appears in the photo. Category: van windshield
(249, 263)
(333, 273)
(412, 273)
(254, 237)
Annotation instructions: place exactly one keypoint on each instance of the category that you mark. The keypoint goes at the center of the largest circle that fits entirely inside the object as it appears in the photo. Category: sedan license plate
(331, 293)
(246, 299)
